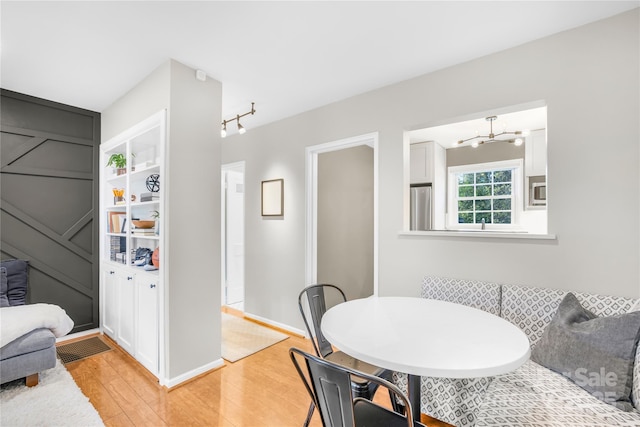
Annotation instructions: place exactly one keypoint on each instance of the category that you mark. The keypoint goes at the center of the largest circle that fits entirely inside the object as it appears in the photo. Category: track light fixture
(492, 136)
(241, 129)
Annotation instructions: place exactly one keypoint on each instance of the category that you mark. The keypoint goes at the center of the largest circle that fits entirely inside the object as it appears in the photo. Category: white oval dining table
(425, 337)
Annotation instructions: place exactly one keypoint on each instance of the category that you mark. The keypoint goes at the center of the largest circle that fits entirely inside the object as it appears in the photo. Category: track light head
(241, 129)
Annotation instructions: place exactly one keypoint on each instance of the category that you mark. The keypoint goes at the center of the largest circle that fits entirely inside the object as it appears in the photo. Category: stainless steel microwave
(538, 194)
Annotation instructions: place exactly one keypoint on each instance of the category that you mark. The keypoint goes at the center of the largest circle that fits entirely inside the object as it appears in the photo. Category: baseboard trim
(187, 376)
(275, 325)
(77, 335)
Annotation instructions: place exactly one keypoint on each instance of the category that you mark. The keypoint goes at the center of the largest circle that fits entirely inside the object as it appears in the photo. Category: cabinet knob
(152, 286)
(129, 278)
(111, 272)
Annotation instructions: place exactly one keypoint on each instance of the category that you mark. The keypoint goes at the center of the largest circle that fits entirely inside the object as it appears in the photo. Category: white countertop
(426, 337)
(482, 234)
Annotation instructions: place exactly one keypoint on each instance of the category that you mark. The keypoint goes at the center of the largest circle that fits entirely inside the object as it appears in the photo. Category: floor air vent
(81, 349)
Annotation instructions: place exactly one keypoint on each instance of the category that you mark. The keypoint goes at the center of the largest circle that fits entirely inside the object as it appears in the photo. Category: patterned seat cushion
(605, 305)
(455, 401)
(469, 402)
(472, 293)
(530, 309)
(535, 396)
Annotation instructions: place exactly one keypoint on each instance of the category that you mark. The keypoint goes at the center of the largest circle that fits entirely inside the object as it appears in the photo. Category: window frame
(517, 193)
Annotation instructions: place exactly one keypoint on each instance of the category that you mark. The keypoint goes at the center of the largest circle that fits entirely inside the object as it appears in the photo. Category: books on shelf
(143, 231)
(149, 197)
(117, 249)
(116, 222)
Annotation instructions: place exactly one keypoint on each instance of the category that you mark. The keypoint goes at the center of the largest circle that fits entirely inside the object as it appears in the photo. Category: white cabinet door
(147, 321)
(126, 305)
(535, 160)
(110, 301)
(421, 163)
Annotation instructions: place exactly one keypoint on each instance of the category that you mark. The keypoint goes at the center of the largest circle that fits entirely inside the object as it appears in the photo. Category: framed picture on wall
(272, 199)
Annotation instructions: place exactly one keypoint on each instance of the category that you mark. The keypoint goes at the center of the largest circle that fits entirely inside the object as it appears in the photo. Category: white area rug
(241, 338)
(55, 401)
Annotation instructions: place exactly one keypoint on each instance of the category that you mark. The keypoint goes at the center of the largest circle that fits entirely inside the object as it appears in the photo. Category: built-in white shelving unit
(131, 295)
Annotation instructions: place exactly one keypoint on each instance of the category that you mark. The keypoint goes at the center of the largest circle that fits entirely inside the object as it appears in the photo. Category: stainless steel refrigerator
(420, 207)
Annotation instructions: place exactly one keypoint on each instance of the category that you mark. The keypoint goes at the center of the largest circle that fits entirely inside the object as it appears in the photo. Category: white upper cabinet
(535, 152)
(421, 162)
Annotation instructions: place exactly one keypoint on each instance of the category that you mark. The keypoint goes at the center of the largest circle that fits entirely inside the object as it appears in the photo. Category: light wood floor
(260, 390)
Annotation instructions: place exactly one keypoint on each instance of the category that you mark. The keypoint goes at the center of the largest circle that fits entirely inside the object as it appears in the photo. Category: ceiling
(287, 57)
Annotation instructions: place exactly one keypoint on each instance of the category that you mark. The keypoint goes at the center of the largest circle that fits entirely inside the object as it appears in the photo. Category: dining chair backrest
(319, 298)
(329, 386)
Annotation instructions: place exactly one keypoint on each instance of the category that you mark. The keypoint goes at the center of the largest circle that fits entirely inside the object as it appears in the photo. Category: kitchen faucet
(482, 227)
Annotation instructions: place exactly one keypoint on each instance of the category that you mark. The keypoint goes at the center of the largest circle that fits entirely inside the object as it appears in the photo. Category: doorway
(232, 230)
(351, 276)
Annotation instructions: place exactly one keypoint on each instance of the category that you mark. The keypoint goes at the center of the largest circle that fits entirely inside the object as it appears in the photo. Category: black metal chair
(320, 298)
(329, 386)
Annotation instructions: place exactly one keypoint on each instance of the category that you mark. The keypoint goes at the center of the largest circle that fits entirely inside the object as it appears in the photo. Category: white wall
(192, 274)
(145, 99)
(588, 78)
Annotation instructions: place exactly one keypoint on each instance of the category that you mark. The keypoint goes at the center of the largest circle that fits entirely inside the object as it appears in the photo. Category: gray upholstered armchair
(27, 332)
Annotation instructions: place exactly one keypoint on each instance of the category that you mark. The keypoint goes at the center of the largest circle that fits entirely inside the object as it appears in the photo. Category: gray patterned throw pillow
(596, 353)
(17, 279)
(4, 301)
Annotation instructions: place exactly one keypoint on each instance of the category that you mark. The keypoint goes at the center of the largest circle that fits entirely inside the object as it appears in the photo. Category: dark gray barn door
(48, 187)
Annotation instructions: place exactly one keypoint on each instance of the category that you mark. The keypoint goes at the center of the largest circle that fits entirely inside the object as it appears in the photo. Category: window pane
(483, 190)
(487, 195)
(465, 178)
(465, 205)
(465, 191)
(485, 215)
(502, 217)
(502, 205)
(465, 218)
(502, 190)
(483, 177)
(483, 205)
(502, 176)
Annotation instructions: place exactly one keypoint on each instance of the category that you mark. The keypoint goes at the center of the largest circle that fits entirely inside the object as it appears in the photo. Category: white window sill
(480, 234)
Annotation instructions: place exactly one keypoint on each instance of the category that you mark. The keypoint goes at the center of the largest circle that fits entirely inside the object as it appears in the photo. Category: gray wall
(192, 274)
(345, 220)
(588, 78)
(49, 154)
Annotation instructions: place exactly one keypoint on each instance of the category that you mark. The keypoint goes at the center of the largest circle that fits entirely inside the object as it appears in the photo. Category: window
(485, 192)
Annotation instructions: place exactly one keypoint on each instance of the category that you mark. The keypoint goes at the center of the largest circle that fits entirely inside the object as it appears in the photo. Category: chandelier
(493, 137)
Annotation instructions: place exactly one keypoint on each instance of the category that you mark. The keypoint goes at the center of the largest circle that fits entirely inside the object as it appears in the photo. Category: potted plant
(156, 215)
(119, 162)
